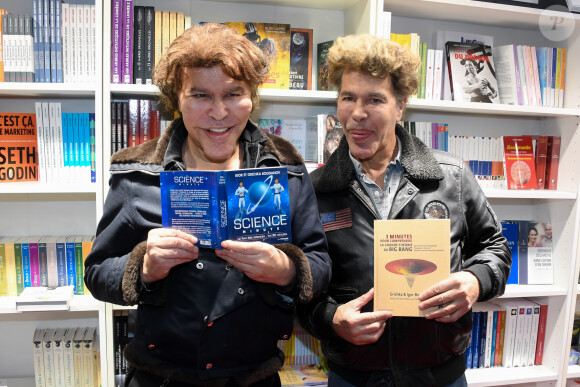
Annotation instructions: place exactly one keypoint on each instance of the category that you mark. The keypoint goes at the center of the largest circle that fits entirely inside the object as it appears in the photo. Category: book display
(36, 208)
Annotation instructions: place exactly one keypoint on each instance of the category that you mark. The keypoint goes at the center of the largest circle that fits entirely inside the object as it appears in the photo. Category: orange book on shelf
(18, 147)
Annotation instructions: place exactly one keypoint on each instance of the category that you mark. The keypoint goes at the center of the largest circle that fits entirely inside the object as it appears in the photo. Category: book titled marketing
(242, 204)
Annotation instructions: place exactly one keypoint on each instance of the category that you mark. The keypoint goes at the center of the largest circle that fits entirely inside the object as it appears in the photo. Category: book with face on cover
(411, 255)
(243, 204)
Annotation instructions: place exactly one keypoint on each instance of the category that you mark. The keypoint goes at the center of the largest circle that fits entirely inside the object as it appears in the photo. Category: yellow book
(172, 26)
(562, 78)
(403, 39)
(3, 280)
(165, 38)
(274, 40)
(303, 375)
(180, 23)
(87, 245)
(411, 255)
(11, 287)
(158, 34)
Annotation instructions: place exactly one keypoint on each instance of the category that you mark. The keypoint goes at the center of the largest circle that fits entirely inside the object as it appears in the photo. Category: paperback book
(411, 255)
(243, 205)
(301, 59)
(41, 298)
(18, 147)
(520, 165)
(322, 65)
(471, 72)
(274, 41)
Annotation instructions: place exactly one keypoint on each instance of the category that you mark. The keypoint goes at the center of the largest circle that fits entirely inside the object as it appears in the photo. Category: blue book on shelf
(475, 332)
(482, 338)
(61, 262)
(58, 40)
(26, 272)
(241, 204)
(69, 248)
(46, 39)
(510, 232)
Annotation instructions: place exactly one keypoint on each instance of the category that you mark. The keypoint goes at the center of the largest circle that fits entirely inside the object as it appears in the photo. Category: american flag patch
(336, 220)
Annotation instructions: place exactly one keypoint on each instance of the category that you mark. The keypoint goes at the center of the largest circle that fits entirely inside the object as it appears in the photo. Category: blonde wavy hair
(205, 46)
(377, 57)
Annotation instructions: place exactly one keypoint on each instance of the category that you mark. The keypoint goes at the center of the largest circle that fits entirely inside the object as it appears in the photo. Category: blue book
(58, 40)
(26, 273)
(542, 56)
(522, 252)
(69, 248)
(241, 204)
(482, 338)
(35, 33)
(46, 39)
(493, 337)
(61, 265)
(510, 232)
(92, 155)
(475, 332)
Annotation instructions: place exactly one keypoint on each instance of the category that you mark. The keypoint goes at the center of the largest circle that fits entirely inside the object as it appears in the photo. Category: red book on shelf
(541, 153)
(552, 162)
(541, 334)
(519, 162)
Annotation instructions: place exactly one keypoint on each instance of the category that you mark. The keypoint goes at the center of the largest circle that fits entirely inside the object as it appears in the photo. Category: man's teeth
(218, 130)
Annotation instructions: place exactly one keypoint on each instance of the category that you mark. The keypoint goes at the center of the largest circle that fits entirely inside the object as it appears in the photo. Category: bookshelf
(49, 209)
(520, 25)
(54, 209)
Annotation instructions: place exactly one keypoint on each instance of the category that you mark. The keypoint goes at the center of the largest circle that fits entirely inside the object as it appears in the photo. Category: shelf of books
(529, 96)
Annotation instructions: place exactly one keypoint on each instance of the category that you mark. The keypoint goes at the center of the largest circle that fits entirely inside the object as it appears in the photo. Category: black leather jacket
(419, 352)
(206, 322)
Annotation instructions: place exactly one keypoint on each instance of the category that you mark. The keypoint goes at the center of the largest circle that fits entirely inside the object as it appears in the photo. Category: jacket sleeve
(309, 247)
(117, 252)
(485, 250)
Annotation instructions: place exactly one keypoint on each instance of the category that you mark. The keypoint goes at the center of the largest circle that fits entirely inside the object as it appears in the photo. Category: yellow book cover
(562, 78)
(274, 40)
(303, 375)
(411, 255)
(165, 31)
(403, 39)
(158, 34)
(9, 253)
(180, 23)
(87, 246)
(172, 26)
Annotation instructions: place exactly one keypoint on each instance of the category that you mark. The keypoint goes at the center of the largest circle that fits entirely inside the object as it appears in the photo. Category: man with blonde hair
(380, 171)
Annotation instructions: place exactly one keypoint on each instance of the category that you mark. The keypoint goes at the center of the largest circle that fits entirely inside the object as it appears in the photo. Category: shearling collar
(416, 158)
(153, 152)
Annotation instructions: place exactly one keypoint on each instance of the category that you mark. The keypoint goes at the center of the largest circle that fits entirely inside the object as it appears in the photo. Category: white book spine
(40, 143)
(66, 49)
(87, 34)
(38, 357)
(429, 74)
(73, 56)
(437, 74)
(79, 45)
(48, 151)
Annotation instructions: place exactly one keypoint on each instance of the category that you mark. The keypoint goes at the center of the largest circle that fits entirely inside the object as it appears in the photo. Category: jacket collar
(416, 158)
(165, 151)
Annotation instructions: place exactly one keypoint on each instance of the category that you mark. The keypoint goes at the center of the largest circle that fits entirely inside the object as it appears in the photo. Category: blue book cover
(58, 41)
(52, 37)
(46, 39)
(241, 204)
(493, 338)
(26, 270)
(69, 248)
(482, 338)
(61, 262)
(475, 330)
(510, 232)
(92, 156)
